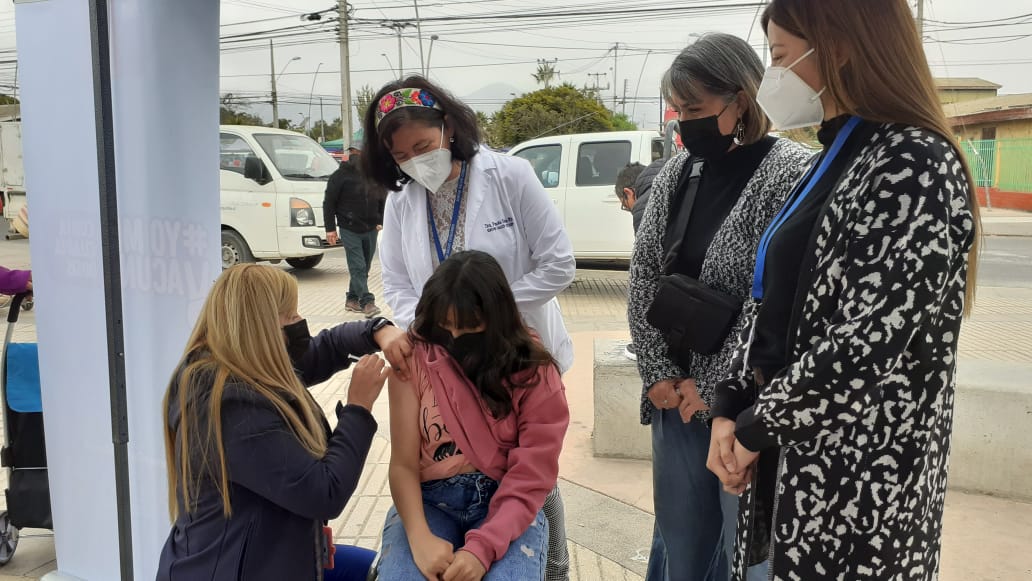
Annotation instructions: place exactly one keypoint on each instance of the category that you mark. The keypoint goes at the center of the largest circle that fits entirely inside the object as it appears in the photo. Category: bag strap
(677, 223)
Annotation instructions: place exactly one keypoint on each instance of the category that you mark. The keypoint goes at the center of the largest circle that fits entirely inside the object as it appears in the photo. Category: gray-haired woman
(692, 269)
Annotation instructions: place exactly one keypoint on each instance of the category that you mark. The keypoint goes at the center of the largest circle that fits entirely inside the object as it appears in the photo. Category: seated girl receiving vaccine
(475, 435)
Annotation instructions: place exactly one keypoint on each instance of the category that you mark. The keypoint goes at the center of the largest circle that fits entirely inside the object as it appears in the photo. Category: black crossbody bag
(693, 317)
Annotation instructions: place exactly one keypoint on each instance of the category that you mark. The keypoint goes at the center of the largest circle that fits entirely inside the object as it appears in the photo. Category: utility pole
(598, 87)
(397, 26)
(345, 71)
(419, 33)
(616, 78)
(272, 75)
(322, 123)
(623, 102)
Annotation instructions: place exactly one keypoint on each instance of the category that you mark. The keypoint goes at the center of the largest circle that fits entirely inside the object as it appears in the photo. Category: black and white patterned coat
(864, 412)
(728, 265)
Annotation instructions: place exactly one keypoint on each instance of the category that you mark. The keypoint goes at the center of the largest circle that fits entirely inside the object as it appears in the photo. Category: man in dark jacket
(633, 186)
(356, 207)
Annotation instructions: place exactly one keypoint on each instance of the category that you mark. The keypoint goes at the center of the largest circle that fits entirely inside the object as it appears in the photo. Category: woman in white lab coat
(449, 194)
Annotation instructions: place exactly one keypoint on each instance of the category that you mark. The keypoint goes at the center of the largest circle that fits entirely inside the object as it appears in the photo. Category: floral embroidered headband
(402, 98)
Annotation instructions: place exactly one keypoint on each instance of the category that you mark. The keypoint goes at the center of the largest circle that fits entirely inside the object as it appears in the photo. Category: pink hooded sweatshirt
(519, 451)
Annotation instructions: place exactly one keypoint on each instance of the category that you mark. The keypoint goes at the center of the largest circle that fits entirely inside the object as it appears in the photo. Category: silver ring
(664, 402)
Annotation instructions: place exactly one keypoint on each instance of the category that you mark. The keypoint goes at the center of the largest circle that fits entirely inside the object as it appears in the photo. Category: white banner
(165, 101)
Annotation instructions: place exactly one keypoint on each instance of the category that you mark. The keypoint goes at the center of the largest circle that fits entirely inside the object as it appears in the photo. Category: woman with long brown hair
(847, 378)
(254, 470)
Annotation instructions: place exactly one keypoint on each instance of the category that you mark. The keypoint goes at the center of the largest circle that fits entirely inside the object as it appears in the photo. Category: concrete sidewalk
(1006, 223)
(609, 502)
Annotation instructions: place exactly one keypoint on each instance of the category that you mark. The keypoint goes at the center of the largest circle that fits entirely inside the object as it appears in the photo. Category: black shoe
(630, 352)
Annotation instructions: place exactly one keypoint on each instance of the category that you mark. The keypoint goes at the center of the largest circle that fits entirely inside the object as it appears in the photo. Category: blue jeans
(453, 507)
(360, 249)
(350, 564)
(695, 519)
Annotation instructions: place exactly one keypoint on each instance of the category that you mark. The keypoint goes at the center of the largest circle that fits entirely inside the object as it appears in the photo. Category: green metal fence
(1005, 164)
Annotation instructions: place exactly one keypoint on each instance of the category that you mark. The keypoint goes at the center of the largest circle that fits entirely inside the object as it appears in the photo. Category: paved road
(1006, 262)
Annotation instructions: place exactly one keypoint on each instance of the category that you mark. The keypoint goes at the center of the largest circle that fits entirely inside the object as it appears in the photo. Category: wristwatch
(380, 323)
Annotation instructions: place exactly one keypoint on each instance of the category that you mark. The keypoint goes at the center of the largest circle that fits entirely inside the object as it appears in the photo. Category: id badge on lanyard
(442, 253)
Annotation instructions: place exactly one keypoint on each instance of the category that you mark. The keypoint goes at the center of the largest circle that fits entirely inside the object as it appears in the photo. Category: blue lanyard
(799, 195)
(441, 254)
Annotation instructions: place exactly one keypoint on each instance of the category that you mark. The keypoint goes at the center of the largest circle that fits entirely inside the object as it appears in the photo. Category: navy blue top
(280, 495)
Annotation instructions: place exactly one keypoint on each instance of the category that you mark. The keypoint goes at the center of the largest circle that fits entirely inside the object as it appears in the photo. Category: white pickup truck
(579, 173)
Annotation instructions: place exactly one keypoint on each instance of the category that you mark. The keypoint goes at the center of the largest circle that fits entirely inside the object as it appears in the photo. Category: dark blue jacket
(280, 495)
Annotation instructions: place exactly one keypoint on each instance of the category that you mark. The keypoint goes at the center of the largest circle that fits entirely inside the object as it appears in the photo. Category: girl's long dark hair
(378, 164)
(471, 289)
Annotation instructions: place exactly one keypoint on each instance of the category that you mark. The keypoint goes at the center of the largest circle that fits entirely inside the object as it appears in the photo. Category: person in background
(15, 282)
(847, 373)
(475, 436)
(356, 207)
(741, 177)
(254, 469)
(633, 186)
(448, 195)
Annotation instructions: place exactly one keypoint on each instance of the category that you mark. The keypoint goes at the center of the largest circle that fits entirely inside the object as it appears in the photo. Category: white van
(272, 186)
(579, 173)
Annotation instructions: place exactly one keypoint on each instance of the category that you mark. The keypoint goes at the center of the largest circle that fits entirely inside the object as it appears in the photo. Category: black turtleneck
(723, 180)
(788, 259)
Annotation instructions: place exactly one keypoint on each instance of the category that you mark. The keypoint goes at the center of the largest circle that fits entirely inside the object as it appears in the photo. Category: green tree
(363, 99)
(622, 122)
(8, 100)
(234, 112)
(487, 130)
(333, 130)
(554, 111)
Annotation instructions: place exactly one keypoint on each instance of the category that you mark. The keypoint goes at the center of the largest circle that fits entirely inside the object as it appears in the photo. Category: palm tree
(545, 72)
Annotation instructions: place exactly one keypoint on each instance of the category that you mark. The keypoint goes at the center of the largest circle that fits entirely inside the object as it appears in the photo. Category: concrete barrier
(617, 431)
(992, 429)
(992, 432)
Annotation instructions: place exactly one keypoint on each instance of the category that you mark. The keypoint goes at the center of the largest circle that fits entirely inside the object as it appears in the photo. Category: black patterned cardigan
(864, 412)
(728, 265)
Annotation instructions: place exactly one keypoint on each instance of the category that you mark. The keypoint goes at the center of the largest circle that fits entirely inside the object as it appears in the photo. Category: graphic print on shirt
(435, 433)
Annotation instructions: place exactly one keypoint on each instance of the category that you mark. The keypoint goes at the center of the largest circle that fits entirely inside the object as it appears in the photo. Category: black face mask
(467, 348)
(298, 339)
(702, 137)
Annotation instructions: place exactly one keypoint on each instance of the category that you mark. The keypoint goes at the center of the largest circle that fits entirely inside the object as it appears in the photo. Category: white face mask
(787, 100)
(430, 169)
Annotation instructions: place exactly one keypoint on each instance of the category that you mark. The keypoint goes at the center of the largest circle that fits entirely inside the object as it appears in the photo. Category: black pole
(112, 277)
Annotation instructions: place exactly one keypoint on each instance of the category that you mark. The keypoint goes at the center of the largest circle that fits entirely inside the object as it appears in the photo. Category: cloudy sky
(487, 60)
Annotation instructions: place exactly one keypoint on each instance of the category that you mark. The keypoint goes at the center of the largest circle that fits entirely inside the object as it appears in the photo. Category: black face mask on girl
(298, 340)
(702, 137)
(465, 349)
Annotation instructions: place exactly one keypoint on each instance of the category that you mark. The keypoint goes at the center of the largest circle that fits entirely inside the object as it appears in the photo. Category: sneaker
(353, 306)
(371, 310)
(630, 352)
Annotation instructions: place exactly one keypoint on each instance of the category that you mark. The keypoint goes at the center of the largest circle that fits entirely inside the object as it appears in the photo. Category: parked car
(272, 183)
(579, 173)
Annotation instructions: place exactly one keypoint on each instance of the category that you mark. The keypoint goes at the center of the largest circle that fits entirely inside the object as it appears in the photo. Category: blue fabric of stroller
(23, 391)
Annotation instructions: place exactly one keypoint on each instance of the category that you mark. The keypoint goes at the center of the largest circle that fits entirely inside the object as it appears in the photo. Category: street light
(430, 53)
(303, 120)
(310, 93)
(275, 77)
(297, 58)
(389, 64)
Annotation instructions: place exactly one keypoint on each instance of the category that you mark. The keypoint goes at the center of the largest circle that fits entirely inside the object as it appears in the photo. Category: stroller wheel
(8, 538)
(27, 304)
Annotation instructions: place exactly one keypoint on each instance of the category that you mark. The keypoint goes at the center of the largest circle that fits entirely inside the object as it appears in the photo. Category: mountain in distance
(490, 98)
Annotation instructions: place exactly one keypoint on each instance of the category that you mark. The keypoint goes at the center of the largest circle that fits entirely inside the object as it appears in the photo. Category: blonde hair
(885, 77)
(238, 339)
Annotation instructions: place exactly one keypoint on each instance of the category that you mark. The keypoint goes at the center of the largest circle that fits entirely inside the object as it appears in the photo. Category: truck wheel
(306, 262)
(234, 249)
